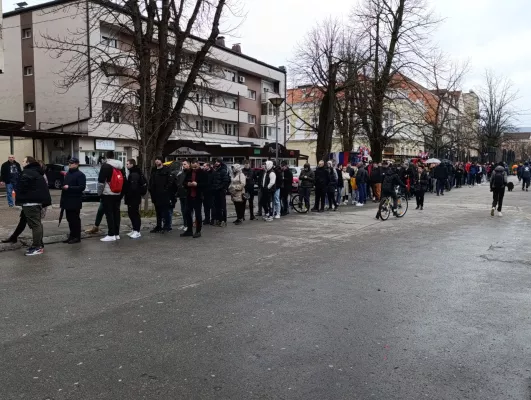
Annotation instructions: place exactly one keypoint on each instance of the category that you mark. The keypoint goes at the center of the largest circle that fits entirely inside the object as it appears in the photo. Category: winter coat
(376, 175)
(339, 173)
(135, 187)
(161, 186)
(31, 187)
(5, 174)
(71, 198)
(237, 185)
(526, 172)
(220, 178)
(474, 170)
(390, 181)
(269, 178)
(498, 170)
(306, 178)
(362, 176)
(249, 179)
(287, 180)
(421, 182)
(346, 180)
(440, 172)
(332, 179)
(321, 177)
(208, 183)
(180, 188)
(105, 176)
(201, 178)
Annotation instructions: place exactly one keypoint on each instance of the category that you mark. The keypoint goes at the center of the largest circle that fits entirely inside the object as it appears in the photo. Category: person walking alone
(237, 192)
(74, 184)
(421, 185)
(498, 181)
(10, 174)
(33, 195)
(525, 175)
(135, 188)
(110, 185)
(194, 182)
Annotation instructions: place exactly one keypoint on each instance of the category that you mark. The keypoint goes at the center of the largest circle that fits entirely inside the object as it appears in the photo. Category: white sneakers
(268, 219)
(132, 235)
(277, 216)
(500, 214)
(108, 239)
(359, 205)
(136, 235)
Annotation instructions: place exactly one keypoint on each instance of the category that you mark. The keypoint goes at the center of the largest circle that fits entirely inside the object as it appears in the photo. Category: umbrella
(61, 216)
(433, 161)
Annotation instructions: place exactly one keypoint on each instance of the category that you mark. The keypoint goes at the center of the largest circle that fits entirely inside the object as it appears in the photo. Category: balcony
(214, 112)
(226, 86)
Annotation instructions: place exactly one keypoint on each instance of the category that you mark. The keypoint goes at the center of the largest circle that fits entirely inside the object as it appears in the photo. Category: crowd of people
(202, 191)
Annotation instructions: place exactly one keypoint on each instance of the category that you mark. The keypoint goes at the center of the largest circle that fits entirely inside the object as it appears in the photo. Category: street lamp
(277, 102)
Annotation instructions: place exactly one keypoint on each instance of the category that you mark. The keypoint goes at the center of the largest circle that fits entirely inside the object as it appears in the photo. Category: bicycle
(386, 207)
(298, 204)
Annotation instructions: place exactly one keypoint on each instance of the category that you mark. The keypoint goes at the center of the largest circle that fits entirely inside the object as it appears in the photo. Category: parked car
(56, 174)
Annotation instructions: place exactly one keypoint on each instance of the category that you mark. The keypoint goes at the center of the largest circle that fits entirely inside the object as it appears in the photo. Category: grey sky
(489, 33)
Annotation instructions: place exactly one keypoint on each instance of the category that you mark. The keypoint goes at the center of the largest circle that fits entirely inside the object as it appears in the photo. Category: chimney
(282, 68)
(237, 48)
(220, 41)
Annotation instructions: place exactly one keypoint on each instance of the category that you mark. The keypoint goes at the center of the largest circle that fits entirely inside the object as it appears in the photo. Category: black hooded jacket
(32, 188)
(161, 186)
(135, 187)
(72, 198)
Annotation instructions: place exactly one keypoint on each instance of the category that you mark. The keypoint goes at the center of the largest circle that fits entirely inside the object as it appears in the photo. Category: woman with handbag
(237, 192)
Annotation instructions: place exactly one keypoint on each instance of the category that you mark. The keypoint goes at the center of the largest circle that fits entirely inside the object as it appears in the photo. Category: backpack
(117, 181)
(388, 182)
(498, 181)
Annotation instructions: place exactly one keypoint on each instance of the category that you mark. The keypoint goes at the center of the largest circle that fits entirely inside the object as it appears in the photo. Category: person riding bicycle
(390, 181)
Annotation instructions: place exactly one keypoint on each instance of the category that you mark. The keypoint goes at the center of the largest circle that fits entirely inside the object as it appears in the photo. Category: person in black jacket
(208, 196)
(250, 180)
(33, 195)
(332, 186)
(135, 188)
(74, 185)
(390, 181)
(10, 174)
(195, 180)
(220, 184)
(376, 180)
(321, 176)
(362, 178)
(161, 188)
(286, 186)
(306, 181)
(441, 174)
(421, 185)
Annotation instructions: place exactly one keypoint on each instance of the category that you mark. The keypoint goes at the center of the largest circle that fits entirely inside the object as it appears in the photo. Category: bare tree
(497, 113)
(444, 104)
(396, 34)
(316, 63)
(150, 61)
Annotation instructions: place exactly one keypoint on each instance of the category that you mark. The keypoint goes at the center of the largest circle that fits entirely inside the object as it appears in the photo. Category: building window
(232, 105)
(109, 41)
(197, 125)
(211, 100)
(251, 119)
(251, 94)
(29, 107)
(230, 129)
(28, 71)
(287, 128)
(230, 75)
(208, 125)
(197, 97)
(111, 112)
(26, 33)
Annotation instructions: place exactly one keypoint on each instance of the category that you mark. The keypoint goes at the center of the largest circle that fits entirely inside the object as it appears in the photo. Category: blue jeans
(9, 192)
(339, 200)
(276, 202)
(362, 189)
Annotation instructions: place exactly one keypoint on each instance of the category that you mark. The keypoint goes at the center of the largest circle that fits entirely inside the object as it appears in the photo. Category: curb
(26, 242)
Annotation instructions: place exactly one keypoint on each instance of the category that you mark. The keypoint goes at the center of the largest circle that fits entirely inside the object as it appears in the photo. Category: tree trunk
(376, 149)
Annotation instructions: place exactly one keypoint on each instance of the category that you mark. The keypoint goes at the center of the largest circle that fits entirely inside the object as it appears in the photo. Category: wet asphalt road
(329, 306)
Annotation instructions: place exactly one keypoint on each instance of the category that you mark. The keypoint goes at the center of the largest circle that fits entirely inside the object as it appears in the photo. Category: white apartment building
(231, 111)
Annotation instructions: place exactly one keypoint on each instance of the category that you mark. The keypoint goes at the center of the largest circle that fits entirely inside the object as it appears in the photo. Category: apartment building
(228, 110)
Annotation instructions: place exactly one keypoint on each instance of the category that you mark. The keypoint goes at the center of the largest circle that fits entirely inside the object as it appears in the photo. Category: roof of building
(60, 2)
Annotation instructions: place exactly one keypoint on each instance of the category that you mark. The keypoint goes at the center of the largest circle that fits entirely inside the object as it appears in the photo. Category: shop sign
(105, 144)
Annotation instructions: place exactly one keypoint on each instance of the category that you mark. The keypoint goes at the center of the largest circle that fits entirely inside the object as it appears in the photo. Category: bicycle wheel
(402, 205)
(297, 202)
(385, 210)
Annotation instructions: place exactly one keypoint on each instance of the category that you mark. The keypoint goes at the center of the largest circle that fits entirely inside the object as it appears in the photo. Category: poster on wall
(105, 144)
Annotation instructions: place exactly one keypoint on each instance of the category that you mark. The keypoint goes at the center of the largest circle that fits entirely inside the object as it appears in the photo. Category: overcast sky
(489, 33)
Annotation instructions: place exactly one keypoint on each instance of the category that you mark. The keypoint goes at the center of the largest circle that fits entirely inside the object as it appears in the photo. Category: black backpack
(498, 181)
(388, 180)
